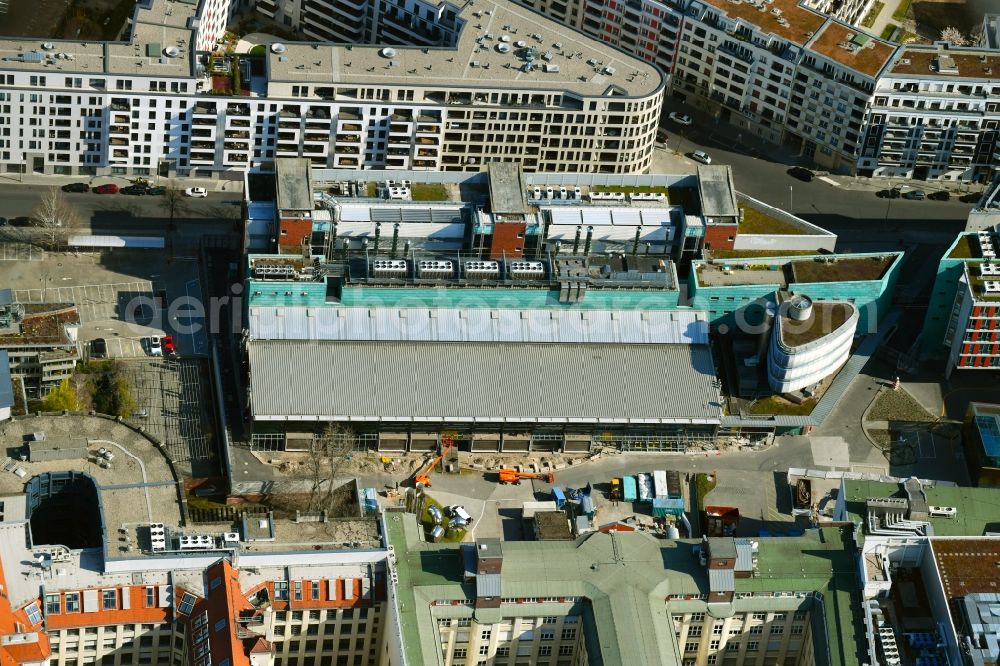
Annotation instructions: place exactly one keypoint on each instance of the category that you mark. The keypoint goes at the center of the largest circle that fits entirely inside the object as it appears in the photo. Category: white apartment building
(494, 82)
(936, 114)
(788, 72)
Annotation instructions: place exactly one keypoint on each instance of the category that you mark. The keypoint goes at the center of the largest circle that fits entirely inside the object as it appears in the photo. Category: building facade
(806, 75)
(171, 101)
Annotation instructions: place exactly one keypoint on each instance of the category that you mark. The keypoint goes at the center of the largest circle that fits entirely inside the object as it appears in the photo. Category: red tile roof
(799, 23)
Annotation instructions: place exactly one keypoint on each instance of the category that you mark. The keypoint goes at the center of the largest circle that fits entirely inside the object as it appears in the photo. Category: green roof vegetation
(428, 192)
(964, 248)
(841, 269)
(758, 222)
(825, 318)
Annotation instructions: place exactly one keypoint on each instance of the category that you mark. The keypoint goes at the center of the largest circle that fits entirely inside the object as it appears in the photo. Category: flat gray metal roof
(718, 195)
(293, 184)
(483, 382)
(6, 387)
(507, 194)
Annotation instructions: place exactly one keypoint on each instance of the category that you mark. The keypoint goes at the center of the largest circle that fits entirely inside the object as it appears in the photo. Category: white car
(680, 118)
(198, 192)
(701, 156)
(155, 346)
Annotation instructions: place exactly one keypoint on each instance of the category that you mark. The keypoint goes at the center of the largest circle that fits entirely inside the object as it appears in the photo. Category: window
(759, 616)
(315, 589)
(753, 646)
(484, 650)
(216, 582)
(757, 629)
(544, 650)
(298, 590)
(187, 603)
(485, 635)
(150, 597)
(220, 624)
(503, 651)
(694, 631)
(565, 650)
(713, 645)
(33, 612)
(109, 599)
(52, 605)
(690, 647)
(72, 602)
(281, 590)
(568, 634)
(717, 629)
(777, 629)
(697, 617)
(732, 646)
(551, 619)
(796, 629)
(460, 652)
(548, 634)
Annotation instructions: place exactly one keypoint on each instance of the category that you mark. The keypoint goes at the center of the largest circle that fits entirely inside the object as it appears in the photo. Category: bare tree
(954, 35)
(173, 201)
(326, 458)
(55, 215)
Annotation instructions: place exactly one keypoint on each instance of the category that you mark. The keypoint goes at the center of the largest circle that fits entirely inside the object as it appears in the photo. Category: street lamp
(790, 194)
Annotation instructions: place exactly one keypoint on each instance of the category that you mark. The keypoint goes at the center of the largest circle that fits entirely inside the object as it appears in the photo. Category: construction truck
(422, 479)
(616, 489)
(513, 476)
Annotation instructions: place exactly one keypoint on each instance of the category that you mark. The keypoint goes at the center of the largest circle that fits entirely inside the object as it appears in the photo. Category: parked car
(155, 346)
(971, 197)
(21, 221)
(680, 118)
(661, 135)
(168, 345)
(99, 348)
(916, 195)
(801, 173)
(76, 187)
(109, 188)
(157, 191)
(198, 192)
(701, 156)
(940, 195)
(134, 190)
(3, 221)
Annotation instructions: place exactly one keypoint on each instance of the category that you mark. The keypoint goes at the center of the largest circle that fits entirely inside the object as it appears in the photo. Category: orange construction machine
(422, 478)
(513, 476)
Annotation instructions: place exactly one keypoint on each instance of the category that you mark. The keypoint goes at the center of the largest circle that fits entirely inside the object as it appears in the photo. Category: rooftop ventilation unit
(482, 268)
(278, 48)
(434, 267)
(171, 51)
(526, 269)
(48, 46)
(388, 52)
(389, 267)
(991, 287)
(989, 269)
(551, 69)
(503, 47)
(197, 542)
(231, 537)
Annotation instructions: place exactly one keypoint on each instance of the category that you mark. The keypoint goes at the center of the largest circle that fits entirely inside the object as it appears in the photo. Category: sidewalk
(211, 184)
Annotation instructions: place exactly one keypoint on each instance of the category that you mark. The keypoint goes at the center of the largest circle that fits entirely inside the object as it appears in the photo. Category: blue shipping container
(629, 493)
(558, 496)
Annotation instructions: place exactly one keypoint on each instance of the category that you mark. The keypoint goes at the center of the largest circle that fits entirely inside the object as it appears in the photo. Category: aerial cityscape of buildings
(500, 333)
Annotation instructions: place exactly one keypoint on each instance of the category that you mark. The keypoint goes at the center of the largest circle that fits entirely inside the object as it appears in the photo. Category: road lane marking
(829, 181)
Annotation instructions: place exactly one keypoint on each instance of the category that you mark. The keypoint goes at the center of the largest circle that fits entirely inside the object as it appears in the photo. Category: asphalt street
(124, 214)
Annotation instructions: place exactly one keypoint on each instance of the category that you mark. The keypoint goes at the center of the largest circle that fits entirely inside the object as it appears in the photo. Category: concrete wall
(949, 271)
(785, 242)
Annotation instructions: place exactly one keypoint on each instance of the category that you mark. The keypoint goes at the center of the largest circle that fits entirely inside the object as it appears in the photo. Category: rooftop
(293, 184)
(717, 192)
(627, 580)
(476, 61)
(849, 46)
(799, 22)
(482, 381)
(954, 62)
(44, 328)
(967, 566)
(978, 508)
(825, 318)
(785, 271)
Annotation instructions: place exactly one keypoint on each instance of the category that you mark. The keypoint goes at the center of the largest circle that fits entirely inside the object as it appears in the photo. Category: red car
(110, 188)
(168, 345)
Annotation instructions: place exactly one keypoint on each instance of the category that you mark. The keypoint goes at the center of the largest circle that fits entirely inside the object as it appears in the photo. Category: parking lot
(116, 294)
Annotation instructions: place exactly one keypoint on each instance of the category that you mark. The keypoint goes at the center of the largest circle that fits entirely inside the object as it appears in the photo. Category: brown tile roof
(800, 21)
(970, 63)
(867, 59)
(966, 566)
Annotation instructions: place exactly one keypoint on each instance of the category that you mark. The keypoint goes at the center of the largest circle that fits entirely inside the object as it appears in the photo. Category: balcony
(317, 138)
(428, 129)
(236, 158)
(118, 129)
(119, 153)
(203, 133)
(350, 127)
(236, 145)
(347, 161)
(204, 145)
(202, 157)
(348, 138)
(237, 122)
(238, 110)
(203, 121)
(121, 118)
(202, 109)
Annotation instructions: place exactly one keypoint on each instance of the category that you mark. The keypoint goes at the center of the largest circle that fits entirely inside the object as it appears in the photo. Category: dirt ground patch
(78, 19)
(932, 17)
